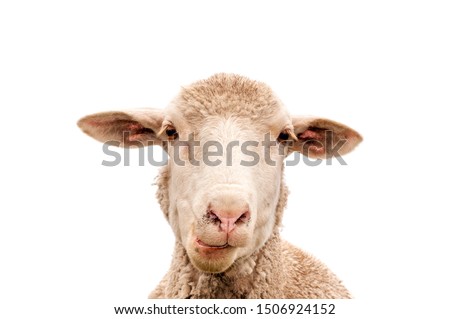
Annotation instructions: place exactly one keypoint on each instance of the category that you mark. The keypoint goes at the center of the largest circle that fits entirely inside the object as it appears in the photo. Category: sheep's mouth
(213, 256)
(204, 245)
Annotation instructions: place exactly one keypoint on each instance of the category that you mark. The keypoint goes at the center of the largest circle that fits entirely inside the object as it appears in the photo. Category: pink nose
(228, 220)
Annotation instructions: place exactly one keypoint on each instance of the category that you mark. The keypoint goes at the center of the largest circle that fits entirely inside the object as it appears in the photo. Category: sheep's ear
(138, 127)
(322, 138)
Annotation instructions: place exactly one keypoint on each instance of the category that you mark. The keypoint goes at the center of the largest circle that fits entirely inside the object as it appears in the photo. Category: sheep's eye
(284, 136)
(171, 132)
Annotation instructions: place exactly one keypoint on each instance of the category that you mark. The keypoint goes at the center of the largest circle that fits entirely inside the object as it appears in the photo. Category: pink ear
(313, 142)
(322, 138)
(131, 128)
(309, 135)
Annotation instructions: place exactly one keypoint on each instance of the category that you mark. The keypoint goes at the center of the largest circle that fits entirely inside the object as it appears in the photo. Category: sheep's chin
(212, 260)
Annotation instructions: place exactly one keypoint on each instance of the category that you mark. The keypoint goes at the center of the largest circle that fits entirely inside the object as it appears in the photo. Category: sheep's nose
(228, 220)
(228, 206)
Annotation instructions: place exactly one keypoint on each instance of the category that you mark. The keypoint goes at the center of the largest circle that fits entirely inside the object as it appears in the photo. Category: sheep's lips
(211, 257)
(203, 245)
(211, 252)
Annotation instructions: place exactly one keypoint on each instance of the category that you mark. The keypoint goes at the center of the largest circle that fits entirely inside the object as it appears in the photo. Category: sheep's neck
(259, 276)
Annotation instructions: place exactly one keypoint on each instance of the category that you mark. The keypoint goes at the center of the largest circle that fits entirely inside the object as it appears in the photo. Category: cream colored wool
(244, 258)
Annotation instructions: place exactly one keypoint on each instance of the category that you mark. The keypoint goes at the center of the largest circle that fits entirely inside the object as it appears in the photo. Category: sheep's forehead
(226, 95)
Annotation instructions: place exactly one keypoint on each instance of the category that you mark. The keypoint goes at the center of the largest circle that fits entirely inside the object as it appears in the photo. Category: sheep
(226, 215)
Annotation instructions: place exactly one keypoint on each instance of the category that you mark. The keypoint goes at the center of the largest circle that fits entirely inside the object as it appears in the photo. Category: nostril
(245, 217)
(211, 216)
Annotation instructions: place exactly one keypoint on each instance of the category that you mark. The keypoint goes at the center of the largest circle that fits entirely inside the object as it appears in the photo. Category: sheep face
(226, 137)
(222, 207)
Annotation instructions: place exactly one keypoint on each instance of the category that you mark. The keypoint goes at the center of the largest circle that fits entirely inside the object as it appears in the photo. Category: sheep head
(227, 137)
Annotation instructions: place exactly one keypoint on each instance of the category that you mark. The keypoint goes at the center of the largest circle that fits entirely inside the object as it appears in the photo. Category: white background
(75, 234)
